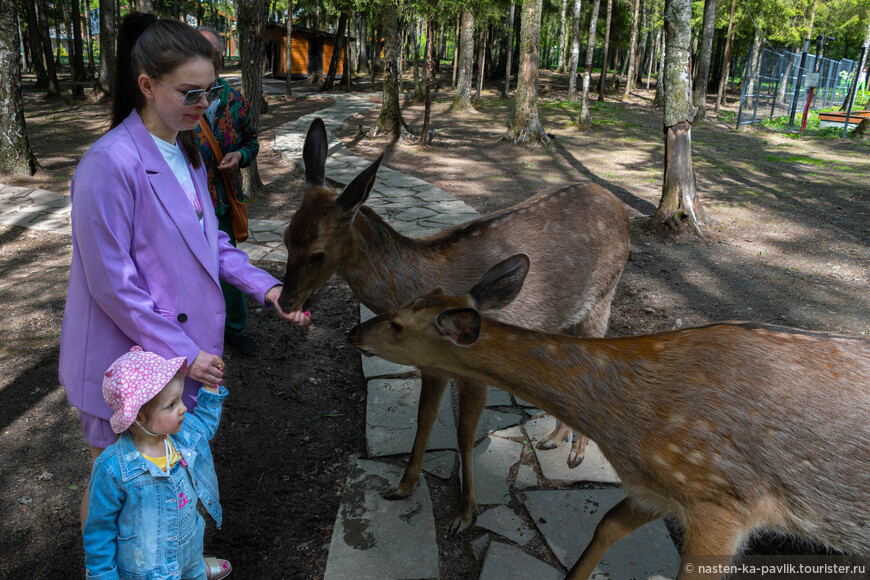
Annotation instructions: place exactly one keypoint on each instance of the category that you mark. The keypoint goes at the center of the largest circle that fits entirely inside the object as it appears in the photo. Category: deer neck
(385, 269)
(570, 378)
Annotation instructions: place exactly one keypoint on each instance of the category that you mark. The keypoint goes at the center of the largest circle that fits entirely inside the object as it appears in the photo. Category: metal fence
(770, 81)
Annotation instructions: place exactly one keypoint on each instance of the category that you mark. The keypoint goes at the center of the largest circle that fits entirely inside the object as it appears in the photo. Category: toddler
(143, 520)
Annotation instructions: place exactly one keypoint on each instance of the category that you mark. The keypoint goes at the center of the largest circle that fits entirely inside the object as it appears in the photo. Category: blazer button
(209, 502)
(182, 317)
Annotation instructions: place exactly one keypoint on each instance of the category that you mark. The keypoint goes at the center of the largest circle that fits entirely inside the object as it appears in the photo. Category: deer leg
(711, 538)
(618, 523)
(554, 439)
(472, 400)
(578, 451)
(431, 391)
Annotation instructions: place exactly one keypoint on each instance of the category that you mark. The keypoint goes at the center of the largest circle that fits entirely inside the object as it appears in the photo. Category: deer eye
(395, 327)
(316, 259)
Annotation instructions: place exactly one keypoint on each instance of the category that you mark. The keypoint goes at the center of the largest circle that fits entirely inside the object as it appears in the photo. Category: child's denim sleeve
(101, 528)
(206, 417)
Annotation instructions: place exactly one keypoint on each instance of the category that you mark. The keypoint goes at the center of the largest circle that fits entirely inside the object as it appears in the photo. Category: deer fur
(578, 237)
(732, 427)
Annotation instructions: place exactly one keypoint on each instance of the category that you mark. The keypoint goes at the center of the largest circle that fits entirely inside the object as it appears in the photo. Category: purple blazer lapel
(167, 190)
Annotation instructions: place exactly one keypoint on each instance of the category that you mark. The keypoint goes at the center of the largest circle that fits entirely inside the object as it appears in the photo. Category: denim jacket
(131, 530)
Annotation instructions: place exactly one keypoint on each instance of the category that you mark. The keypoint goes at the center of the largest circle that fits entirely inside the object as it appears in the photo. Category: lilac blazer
(142, 272)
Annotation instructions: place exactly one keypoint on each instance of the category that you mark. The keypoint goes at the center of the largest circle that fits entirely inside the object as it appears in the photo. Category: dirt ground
(789, 243)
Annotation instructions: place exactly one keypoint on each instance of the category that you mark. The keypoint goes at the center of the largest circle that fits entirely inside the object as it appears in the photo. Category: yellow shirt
(161, 461)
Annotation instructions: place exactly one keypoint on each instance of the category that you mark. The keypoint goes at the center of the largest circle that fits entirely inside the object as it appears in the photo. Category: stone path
(385, 540)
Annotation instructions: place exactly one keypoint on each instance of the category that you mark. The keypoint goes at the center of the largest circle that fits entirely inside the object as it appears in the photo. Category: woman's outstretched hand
(297, 316)
(207, 369)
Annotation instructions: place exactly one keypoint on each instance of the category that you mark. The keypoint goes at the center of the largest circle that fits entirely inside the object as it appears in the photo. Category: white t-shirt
(176, 161)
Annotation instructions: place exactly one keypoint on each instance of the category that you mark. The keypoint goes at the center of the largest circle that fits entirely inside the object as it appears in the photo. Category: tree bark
(574, 60)
(602, 80)
(632, 50)
(585, 117)
(16, 157)
(78, 61)
(659, 98)
(390, 121)
(288, 51)
(527, 127)
(75, 78)
(363, 57)
(726, 58)
(45, 38)
(509, 26)
(563, 36)
(35, 45)
(336, 55)
(103, 86)
(679, 193)
(91, 65)
(251, 19)
(703, 64)
(430, 75)
(481, 63)
(462, 99)
(419, 88)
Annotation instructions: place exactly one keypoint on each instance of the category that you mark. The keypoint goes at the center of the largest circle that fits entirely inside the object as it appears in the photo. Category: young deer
(731, 427)
(578, 237)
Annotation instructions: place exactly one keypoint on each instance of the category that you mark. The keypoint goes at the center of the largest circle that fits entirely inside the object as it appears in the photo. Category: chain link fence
(775, 84)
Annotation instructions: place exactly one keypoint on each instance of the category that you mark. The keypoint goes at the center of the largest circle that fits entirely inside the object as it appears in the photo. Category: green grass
(796, 159)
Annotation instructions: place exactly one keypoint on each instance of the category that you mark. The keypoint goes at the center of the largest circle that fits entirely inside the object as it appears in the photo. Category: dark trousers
(237, 316)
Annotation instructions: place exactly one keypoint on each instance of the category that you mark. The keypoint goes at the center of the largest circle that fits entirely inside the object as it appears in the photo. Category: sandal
(215, 568)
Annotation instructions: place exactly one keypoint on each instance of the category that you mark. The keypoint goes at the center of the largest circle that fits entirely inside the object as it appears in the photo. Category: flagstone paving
(386, 540)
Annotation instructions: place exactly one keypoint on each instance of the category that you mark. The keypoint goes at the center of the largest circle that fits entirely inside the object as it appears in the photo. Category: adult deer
(731, 427)
(578, 237)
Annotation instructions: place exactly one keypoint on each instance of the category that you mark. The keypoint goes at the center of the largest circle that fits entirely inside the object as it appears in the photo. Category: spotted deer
(731, 428)
(578, 237)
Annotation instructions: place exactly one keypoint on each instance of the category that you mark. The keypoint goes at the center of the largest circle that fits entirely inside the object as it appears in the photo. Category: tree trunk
(430, 75)
(585, 117)
(16, 157)
(640, 58)
(103, 86)
(78, 61)
(363, 45)
(563, 36)
(574, 60)
(659, 98)
(752, 69)
(462, 99)
(251, 15)
(419, 88)
(288, 51)
(35, 45)
(45, 38)
(726, 61)
(527, 126)
(632, 50)
(91, 64)
(509, 29)
(703, 64)
(336, 55)
(679, 193)
(602, 80)
(390, 121)
(77, 90)
(481, 63)
(456, 42)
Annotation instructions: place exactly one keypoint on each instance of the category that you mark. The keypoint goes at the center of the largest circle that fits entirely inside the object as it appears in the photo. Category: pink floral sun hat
(133, 380)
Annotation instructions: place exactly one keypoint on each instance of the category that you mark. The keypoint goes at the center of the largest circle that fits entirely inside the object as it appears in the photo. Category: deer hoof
(396, 494)
(460, 524)
(547, 444)
(574, 460)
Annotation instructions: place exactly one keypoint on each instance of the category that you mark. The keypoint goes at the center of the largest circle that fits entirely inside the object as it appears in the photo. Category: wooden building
(311, 51)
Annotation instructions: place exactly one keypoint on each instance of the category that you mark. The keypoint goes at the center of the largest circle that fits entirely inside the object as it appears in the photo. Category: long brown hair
(152, 46)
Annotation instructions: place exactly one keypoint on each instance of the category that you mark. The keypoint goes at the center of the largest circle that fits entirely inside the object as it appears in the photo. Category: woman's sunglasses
(191, 98)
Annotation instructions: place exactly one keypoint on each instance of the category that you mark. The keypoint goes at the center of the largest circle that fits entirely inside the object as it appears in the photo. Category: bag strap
(219, 155)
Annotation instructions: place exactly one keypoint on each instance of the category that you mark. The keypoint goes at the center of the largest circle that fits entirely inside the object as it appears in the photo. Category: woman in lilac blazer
(147, 260)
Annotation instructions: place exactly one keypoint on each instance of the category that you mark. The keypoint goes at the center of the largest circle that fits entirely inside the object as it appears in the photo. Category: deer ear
(314, 153)
(460, 325)
(357, 191)
(500, 284)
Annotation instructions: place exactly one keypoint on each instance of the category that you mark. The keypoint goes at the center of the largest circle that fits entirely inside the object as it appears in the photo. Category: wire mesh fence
(778, 84)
